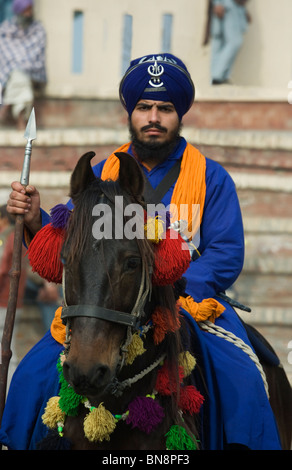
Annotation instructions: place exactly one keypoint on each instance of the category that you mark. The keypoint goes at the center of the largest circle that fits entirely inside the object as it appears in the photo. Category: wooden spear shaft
(15, 272)
(14, 275)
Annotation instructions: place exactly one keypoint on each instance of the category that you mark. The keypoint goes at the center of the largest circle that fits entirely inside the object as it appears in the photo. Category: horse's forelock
(79, 231)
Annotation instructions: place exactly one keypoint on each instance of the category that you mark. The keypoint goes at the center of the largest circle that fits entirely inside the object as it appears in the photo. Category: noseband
(127, 319)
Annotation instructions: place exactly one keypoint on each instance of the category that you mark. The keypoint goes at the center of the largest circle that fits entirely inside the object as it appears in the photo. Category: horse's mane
(79, 233)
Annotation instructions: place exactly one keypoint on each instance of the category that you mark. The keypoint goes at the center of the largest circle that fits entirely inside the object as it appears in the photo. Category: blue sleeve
(97, 169)
(45, 217)
(221, 237)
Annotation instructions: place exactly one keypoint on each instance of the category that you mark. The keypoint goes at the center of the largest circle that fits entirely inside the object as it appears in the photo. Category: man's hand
(219, 11)
(25, 201)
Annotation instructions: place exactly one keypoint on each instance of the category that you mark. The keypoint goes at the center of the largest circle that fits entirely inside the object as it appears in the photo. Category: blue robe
(244, 415)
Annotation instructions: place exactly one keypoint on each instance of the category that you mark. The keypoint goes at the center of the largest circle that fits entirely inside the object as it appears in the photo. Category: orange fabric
(58, 329)
(208, 309)
(189, 189)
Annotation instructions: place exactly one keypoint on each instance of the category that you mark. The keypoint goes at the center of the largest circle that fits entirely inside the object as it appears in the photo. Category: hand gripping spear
(14, 274)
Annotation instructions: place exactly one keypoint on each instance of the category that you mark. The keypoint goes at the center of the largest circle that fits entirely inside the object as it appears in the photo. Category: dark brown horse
(110, 301)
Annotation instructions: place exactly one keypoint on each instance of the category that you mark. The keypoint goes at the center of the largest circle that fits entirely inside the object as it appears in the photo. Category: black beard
(154, 151)
(25, 21)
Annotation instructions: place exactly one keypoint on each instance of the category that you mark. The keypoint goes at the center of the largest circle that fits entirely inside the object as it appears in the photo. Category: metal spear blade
(30, 131)
(30, 135)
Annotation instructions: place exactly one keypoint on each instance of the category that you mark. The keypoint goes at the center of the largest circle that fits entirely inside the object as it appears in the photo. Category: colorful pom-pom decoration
(163, 323)
(190, 399)
(53, 413)
(145, 413)
(187, 361)
(172, 259)
(167, 382)
(99, 424)
(135, 348)
(177, 438)
(69, 399)
(44, 253)
(60, 215)
(154, 229)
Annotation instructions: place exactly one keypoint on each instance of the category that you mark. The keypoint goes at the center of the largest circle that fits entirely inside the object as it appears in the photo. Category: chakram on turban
(161, 77)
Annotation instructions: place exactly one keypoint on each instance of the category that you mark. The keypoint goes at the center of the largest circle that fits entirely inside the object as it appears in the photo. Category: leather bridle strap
(99, 312)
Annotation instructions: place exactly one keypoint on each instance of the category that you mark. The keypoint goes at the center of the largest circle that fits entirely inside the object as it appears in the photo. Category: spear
(14, 273)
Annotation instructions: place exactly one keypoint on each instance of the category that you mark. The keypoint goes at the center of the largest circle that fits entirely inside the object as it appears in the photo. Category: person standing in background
(226, 25)
(22, 61)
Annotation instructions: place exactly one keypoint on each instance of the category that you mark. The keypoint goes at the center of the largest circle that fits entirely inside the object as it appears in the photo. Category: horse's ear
(131, 178)
(82, 175)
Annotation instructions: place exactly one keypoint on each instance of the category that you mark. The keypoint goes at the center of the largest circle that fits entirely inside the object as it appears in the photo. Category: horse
(129, 372)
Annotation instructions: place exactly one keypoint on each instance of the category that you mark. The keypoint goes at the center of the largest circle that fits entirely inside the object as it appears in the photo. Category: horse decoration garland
(144, 412)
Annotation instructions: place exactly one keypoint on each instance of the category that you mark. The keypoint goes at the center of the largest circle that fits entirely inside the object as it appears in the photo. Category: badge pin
(155, 71)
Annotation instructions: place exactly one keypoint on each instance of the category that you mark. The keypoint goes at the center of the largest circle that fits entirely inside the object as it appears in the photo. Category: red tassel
(166, 383)
(44, 253)
(163, 323)
(190, 400)
(171, 260)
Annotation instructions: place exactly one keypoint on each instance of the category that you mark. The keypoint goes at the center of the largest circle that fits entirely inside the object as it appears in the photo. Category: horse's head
(107, 274)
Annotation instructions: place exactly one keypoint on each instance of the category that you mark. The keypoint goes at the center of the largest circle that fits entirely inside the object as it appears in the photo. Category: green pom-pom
(178, 439)
(69, 400)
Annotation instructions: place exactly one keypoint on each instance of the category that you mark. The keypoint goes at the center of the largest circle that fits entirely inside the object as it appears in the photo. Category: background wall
(265, 60)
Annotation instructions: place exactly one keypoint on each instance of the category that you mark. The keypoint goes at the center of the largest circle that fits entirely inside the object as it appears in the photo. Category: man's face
(155, 122)
(28, 12)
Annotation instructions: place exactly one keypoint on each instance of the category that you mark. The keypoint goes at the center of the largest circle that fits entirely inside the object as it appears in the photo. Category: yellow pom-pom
(154, 229)
(187, 361)
(53, 413)
(135, 348)
(99, 424)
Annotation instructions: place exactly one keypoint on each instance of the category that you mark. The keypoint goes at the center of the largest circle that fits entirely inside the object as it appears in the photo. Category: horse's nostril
(97, 378)
(101, 375)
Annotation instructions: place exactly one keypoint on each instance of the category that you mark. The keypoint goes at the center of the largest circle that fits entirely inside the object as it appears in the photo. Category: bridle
(131, 320)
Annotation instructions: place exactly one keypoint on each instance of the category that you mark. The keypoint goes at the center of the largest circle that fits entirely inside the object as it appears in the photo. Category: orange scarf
(189, 189)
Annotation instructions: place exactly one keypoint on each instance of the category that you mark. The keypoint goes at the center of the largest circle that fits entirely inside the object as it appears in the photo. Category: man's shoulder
(215, 171)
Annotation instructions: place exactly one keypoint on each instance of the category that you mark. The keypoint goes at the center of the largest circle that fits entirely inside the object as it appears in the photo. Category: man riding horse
(157, 91)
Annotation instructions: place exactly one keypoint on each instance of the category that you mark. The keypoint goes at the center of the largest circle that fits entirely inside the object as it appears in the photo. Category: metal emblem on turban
(155, 71)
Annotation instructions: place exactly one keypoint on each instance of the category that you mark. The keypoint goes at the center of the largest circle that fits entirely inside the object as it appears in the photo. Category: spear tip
(30, 131)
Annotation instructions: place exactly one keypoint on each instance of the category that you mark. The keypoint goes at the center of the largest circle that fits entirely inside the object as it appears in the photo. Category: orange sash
(189, 193)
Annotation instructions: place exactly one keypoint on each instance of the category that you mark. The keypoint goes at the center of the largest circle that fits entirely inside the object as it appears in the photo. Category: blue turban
(161, 77)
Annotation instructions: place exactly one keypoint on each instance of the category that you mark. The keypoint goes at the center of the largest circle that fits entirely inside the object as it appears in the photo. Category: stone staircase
(252, 140)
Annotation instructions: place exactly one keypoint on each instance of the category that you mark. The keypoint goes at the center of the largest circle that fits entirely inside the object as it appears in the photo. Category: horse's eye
(132, 263)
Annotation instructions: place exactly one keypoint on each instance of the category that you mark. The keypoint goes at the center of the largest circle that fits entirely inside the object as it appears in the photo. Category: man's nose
(154, 115)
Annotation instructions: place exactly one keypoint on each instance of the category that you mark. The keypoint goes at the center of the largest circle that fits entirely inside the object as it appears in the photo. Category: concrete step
(220, 110)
